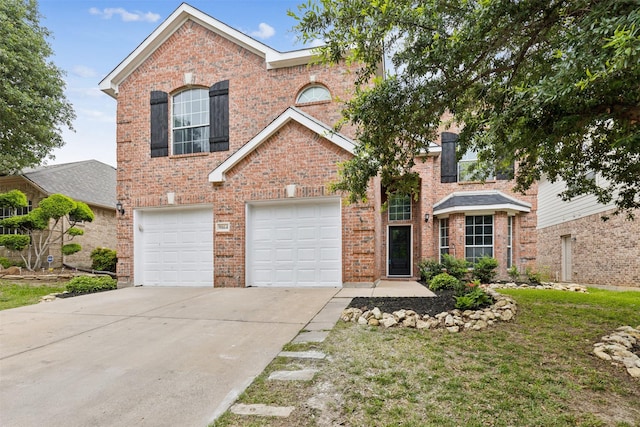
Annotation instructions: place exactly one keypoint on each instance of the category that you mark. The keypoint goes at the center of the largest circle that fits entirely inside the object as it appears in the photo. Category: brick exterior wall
(432, 191)
(604, 253)
(256, 97)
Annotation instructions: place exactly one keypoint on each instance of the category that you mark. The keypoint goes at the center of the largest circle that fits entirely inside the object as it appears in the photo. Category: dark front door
(400, 250)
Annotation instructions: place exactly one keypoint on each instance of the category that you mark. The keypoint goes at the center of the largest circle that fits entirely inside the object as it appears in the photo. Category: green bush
(485, 269)
(443, 281)
(513, 273)
(474, 298)
(71, 248)
(429, 269)
(535, 278)
(5, 263)
(104, 259)
(89, 284)
(457, 268)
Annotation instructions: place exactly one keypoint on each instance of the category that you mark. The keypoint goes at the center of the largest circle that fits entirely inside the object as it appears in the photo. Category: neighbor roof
(470, 201)
(184, 12)
(89, 181)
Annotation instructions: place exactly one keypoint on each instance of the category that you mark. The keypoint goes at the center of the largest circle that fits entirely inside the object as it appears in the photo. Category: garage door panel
(174, 247)
(294, 244)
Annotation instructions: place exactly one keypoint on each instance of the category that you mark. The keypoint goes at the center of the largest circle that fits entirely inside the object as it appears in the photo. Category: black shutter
(506, 174)
(448, 160)
(219, 116)
(159, 124)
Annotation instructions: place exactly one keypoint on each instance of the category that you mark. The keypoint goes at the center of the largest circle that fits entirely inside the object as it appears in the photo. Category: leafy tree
(40, 228)
(33, 107)
(550, 84)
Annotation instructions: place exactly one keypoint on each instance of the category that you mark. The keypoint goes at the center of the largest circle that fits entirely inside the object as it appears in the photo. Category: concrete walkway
(143, 356)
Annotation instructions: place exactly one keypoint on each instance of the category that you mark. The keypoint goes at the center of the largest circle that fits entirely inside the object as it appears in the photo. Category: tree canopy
(553, 85)
(37, 230)
(33, 107)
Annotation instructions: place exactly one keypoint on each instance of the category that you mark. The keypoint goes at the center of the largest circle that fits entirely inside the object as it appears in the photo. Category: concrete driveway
(143, 356)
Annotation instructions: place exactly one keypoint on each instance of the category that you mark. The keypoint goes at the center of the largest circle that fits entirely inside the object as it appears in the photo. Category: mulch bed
(444, 301)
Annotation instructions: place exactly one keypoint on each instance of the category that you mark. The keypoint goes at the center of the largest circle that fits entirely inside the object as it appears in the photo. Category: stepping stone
(312, 336)
(301, 375)
(262, 410)
(312, 354)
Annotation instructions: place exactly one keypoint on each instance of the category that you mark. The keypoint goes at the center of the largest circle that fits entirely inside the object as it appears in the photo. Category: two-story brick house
(225, 151)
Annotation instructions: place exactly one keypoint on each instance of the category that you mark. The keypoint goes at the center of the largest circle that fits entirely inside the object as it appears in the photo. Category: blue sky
(90, 38)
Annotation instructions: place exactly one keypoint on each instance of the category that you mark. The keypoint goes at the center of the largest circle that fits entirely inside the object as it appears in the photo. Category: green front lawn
(13, 295)
(535, 371)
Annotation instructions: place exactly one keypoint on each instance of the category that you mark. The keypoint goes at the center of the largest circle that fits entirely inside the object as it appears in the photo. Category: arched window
(190, 121)
(314, 94)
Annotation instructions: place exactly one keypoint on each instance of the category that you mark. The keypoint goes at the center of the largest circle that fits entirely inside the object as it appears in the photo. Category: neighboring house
(575, 244)
(225, 152)
(91, 182)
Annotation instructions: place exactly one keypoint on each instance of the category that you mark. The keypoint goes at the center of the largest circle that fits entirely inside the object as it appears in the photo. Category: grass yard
(535, 371)
(13, 295)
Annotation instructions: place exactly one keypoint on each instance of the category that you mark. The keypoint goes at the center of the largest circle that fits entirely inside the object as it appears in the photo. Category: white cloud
(265, 31)
(84, 71)
(125, 15)
(317, 43)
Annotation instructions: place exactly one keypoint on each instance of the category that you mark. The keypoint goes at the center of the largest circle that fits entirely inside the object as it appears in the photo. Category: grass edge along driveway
(537, 370)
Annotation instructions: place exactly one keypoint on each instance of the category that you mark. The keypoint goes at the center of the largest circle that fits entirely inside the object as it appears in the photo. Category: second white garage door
(294, 244)
(174, 247)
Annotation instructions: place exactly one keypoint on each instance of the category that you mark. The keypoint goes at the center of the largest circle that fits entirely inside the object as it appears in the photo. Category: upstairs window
(190, 121)
(199, 121)
(465, 165)
(400, 208)
(452, 170)
(314, 93)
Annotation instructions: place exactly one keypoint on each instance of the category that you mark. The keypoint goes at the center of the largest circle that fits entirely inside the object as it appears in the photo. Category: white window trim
(493, 239)
(404, 198)
(172, 128)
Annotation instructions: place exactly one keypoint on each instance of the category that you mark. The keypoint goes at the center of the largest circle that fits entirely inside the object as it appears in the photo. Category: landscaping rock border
(617, 347)
(504, 309)
(572, 287)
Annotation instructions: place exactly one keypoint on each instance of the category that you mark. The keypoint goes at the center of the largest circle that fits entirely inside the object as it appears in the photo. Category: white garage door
(174, 247)
(294, 244)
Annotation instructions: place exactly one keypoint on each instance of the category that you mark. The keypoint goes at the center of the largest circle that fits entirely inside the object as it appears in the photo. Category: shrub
(475, 298)
(513, 273)
(71, 248)
(443, 281)
(5, 263)
(535, 278)
(457, 268)
(89, 284)
(104, 259)
(429, 268)
(485, 269)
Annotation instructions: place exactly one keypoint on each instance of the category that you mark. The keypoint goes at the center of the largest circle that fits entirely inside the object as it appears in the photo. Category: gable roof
(470, 201)
(291, 113)
(89, 181)
(273, 58)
